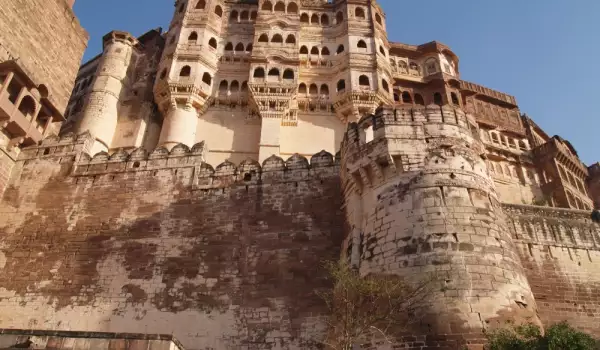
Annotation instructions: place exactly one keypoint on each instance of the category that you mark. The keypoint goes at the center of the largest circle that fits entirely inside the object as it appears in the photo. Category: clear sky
(536, 50)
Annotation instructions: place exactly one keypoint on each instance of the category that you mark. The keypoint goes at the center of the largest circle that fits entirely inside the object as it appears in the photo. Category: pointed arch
(267, 6)
(193, 37)
(249, 47)
(304, 18)
(314, 19)
(277, 38)
(324, 51)
(27, 106)
(219, 11)
(302, 88)
(303, 50)
(239, 47)
(314, 50)
(229, 47)
(292, 7)
(201, 4)
(340, 49)
(206, 78)
(185, 71)
(291, 39)
(313, 89)
(212, 43)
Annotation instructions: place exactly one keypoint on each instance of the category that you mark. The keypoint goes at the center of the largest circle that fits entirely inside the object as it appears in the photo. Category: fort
(186, 192)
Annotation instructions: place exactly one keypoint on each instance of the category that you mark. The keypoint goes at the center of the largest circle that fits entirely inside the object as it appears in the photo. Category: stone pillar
(269, 138)
(430, 214)
(101, 110)
(179, 126)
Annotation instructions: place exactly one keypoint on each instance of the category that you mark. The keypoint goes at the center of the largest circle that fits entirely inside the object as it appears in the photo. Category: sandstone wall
(560, 251)
(6, 164)
(222, 259)
(48, 42)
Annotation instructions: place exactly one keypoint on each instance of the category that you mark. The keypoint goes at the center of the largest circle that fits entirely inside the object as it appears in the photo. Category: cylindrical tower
(101, 110)
(179, 126)
(421, 205)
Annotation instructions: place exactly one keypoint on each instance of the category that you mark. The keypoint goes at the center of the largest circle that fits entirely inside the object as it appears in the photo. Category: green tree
(560, 336)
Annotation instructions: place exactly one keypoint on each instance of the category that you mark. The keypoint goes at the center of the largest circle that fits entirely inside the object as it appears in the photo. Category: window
(324, 89)
(396, 98)
(239, 47)
(314, 19)
(339, 17)
(235, 86)
(304, 50)
(385, 86)
(288, 74)
(406, 98)
(263, 38)
(363, 80)
(234, 16)
(292, 8)
(200, 5)
(304, 18)
(302, 88)
(325, 51)
(495, 138)
(245, 86)
(419, 100)
(274, 72)
(324, 20)
(341, 85)
(244, 16)
(454, 98)
(163, 74)
(277, 38)
(291, 39)
(313, 90)
(437, 99)
(378, 19)
(223, 87)
(193, 38)
(253, 15)
(259, 72)
(361, 44)
(381, 50)
(403, 66)
(314, 50)
(212, 43)
(267, 6)
(522, 145)
(219, 11)
(340, 49)
(207, 79)
(431, 66)
(414, 67)
(280, 7)
(186, 71)
(229, 47)
(359, 13)
(181, 8)
(27, 106)
(249, 48)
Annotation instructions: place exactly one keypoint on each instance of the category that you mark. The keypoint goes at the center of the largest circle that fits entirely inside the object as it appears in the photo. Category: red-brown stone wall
(6, 166)
(228, 265)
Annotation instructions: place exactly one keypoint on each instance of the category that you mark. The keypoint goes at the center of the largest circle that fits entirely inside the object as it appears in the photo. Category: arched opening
(291, 39)
(288, 74)
(363, 80)
(522, 145)
(219, 11)
(280, 6)
(324, 20)
(325, 90)
(304, 18)
(454, 98)
(244, 16)
(193, 38)
(304, 50)
(419, 100)
(340, 49)
(277, 38)
(181, 8)
(359, 13)
(437, 99)
(263, 38)
(341, 85)
(186, 71)
(378, 19)
(200, 5)
(235, 86)
(302, 88)
(163, 74)
(314, 50)
(253, 15)
(223, 87)
(292, 8)
(239, 47)
(267, 6)
(325, 51)
(249, 48)
(396, 98)
(229, 47)
(259, 73)
(274, 73)
(406, 98)
(385, 86)
(431, 66)
(212, 43)
(27, 106)
(314, 19)
(339, 17)
(403, 66)
(313, 90)
(361, 44)
(207, 79)
(381, 50)
(244, 87)
(415, 67)
(233, 16)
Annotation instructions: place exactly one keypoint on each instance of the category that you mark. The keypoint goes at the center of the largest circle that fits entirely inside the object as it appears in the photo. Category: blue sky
(536, 50)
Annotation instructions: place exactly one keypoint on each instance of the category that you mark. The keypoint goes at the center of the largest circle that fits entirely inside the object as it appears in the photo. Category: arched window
(223, 86)
(378, 19)
(249, 48)
(253, 15)
(193, 38)
(234, 16)
(363, 80)
(340, 49)
(324, 89)
(280, 6)
(431, 66)
(304, 50)
(292, 8)
(163, 74)
(437, 99)
(229, 47)
(288, 74)
(415, 67)
(219, 11)
(181, 8)
(304, 18)
(302, 88)
(244, 16)
(403, 66)
(245, 86)
(186, 71)
(263, 38)
(341, 85)
(495, 138)
(454, 98)
(291, 39)
(274, 72)
(207, 79)
(212, 43)
(325, 51)
(235, 86)
(324, 20)
(267, 6)
(396, 98)
(339, 17)
(259, 72)
(314, 50)
(27, 106)
(385, 86)
(361, 44)
(406, 98)
(419, 100)
(359, 13)
(314, 19)
(200, 5)
(381, 50)
(239, 47)
(522, 145)
(277, 38)
(313, 90)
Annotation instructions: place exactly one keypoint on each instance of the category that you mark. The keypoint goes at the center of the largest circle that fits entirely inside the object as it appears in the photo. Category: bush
(529, 337)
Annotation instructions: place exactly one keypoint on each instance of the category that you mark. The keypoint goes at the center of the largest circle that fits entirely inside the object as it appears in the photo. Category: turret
(101, 111)
(419, 202)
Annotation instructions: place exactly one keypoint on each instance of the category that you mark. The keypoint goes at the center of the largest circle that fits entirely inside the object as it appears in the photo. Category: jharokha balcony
(26, 114)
